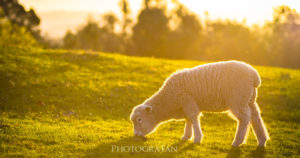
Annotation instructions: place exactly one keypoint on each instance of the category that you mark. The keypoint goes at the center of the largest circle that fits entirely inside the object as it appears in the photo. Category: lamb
(215, 87)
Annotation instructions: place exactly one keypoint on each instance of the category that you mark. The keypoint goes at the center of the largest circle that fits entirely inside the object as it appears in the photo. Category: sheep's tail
(256, 79)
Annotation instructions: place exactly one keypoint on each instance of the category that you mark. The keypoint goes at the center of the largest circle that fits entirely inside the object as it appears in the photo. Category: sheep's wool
(215, 87)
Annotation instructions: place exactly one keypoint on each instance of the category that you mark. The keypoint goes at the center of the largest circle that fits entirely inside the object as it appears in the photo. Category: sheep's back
(218, 83)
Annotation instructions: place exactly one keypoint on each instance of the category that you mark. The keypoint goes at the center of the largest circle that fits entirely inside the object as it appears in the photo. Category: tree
(284, 39)
(126, 12)
(69, 40)
(185, 39)
(227, 40)
(89, 37)
(150, 33)
(14, 35)
(94, 37)
(126, 22)
(16, 13)
(110, 21)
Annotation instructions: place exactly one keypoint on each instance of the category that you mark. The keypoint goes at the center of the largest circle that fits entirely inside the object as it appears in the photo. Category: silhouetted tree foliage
(150, 34)
(180, 34)
(70, 40)
(185, 40)
(285, 37)
(16, 13)
(14, 35)
(93, 37)
(126, 22)
(17, 26)
(124, 5)
(227, 40)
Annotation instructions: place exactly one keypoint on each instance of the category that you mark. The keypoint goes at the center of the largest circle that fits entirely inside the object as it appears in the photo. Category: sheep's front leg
(197, 130)
(191, 111)
(187, 130)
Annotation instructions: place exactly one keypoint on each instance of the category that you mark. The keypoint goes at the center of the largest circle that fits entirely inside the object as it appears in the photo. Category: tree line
(181, 34)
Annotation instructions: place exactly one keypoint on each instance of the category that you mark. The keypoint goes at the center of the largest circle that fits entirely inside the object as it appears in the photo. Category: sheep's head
(143, 120)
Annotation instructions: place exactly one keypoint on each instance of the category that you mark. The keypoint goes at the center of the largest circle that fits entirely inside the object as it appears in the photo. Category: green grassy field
(61, 103)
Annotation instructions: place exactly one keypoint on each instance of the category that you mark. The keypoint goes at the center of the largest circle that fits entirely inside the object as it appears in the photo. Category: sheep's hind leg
(187, 130)
(258, 125)
(243, 117)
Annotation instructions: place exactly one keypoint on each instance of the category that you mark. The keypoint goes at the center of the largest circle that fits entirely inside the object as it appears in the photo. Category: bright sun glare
(59, 15)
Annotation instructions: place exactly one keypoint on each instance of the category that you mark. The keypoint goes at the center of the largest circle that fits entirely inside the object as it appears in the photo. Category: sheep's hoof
(141, 138)
(185, 138)
(235, 145)
(198, 141)
(262, 143)
(144, 138)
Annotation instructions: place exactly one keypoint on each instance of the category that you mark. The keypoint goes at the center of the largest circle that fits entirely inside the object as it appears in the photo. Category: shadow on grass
(259, 152)
(236, 152)
(125, 148)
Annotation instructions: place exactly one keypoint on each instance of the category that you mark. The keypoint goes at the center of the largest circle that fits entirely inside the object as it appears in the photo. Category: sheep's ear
(148, 108)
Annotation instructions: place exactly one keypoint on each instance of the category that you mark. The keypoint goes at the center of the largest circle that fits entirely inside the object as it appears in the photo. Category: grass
(62, 103)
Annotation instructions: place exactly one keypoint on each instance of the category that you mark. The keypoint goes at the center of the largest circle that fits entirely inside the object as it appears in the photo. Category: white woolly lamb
(216, 87)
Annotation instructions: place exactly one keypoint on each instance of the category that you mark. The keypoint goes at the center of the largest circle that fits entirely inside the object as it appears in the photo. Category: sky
(58, 16)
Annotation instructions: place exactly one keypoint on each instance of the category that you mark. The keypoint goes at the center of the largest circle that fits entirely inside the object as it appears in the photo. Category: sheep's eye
(139, 120)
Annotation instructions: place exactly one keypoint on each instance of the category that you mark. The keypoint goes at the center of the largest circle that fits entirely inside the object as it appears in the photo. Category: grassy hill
(62, 103)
